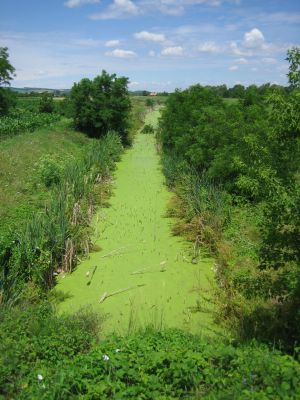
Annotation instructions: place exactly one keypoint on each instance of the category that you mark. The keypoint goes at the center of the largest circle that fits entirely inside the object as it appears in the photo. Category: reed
(52, 240)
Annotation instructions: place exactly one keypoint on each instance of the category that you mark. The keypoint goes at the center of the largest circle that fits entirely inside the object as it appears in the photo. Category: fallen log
(107, 295)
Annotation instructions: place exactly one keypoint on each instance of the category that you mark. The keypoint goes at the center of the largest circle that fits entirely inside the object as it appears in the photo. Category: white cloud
(128, 8)
(208, 47)
(254, 69)
(151, 53)
(279, 17)
(195, 29)
(172, 51)
(241, 61)
(118, 9)
(151, 37)
(269, 60)
(88, 42)
(112, 43)
(134, 83)
(235, 50)
(254, 45)
(177, 7)
(78, 3)
(254, 38)
(233, 68)
(119, 53)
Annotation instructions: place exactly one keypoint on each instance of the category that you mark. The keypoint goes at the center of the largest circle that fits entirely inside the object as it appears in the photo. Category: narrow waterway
(142, 274)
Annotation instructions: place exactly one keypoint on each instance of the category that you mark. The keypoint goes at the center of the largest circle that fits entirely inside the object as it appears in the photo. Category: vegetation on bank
(35, 246)
(52, 240)
(43, 356)
(235, 169)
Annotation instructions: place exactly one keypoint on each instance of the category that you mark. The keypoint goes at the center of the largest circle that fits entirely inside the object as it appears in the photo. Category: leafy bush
(7, 101)
(49, 170)
(148, 129)
(46, 104)
(50, 357)
(19, 122)
(34, 336)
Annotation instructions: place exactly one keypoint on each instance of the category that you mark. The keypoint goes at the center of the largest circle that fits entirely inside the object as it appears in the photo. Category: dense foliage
(20, 122)
(6, 69)
(222, 157)
(43, 356)
(46, 104)
(102, 105)
(7, 99)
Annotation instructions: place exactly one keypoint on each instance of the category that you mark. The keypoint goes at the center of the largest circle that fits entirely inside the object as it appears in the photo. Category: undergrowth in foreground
(45, 356)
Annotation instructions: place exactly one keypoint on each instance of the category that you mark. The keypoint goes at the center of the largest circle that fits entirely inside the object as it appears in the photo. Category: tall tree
(293, 56)
(102, 105)
(6, 69)
(6, 75)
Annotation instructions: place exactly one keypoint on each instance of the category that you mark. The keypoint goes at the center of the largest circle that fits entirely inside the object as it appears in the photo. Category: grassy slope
(136, 236)
(21, 189)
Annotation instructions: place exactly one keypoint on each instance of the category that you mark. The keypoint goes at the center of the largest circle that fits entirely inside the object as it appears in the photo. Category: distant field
(231, 100)
(156, 99)
(28, 103)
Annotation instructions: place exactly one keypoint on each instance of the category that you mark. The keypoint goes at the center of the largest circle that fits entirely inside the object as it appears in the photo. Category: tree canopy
(102, 105)
(6, 75)
(6, 69)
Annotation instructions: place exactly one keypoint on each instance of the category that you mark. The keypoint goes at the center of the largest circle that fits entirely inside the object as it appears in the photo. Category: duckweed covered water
(142, 275)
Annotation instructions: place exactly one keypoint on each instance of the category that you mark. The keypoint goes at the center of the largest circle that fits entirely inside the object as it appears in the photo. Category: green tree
(150, 103)
(46, 104)
(7, 99)
(102, 105)
(6, 69)
(293, 57)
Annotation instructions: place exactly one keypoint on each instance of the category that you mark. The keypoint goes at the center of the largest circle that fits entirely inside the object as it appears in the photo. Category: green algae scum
(143, 275)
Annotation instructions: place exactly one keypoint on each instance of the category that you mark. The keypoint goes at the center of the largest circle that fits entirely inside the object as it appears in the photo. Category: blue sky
(158, 44)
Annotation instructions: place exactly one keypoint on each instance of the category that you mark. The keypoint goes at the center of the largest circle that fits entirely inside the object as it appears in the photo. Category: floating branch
(106, 295)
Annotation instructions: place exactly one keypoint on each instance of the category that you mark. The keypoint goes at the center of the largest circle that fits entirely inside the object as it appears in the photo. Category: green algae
(143, 274)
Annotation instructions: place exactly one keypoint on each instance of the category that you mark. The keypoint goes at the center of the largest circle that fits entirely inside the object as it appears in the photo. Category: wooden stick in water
(106, 296)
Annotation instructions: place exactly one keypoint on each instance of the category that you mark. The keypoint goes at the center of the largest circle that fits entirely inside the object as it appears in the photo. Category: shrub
(33, 337)
(49, 170)
(53, 357)
(46, 103)
(148, 129)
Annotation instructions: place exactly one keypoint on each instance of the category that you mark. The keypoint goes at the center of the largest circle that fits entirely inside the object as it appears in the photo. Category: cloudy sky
(158, 44)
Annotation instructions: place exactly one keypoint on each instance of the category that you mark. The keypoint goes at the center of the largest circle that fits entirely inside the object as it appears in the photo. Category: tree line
(244, 154)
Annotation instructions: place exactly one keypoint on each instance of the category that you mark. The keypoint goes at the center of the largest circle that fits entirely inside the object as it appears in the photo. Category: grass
(22, 190)
(230, 100)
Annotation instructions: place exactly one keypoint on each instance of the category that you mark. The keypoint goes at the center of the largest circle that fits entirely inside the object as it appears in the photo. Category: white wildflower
(40, 377)
(105, 357)
(117, 350)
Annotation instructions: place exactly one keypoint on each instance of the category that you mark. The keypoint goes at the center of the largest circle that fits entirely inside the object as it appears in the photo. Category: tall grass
(52, 240)
(203, 207)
